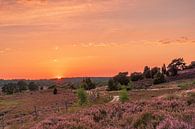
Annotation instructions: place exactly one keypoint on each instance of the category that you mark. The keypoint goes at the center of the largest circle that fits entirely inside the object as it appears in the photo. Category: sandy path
(115, 99)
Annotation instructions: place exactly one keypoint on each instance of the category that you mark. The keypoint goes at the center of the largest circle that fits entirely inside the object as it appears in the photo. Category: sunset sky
(70, 38)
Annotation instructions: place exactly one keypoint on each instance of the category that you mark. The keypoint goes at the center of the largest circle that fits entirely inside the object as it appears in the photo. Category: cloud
(93, 44)
(5, 51)
(181, 40)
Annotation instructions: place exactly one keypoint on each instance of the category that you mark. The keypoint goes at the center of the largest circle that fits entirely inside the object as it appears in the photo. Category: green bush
(82, 96)
(123, 95)
(159, 78)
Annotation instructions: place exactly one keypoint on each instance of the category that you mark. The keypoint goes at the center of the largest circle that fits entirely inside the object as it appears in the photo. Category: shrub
(22, 86)
(88, 84)
(154, 71)
(33, 86)
(123, 95)
(55, 91)
(147, 72)
(82, 96)
(129, 86)
(112, 85)
(171, 123)
(147, 120)
(10, 88)
(122, 78)
(136, 76)
(159, 78)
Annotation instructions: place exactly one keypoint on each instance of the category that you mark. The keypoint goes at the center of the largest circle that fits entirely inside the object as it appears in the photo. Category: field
(160, 106)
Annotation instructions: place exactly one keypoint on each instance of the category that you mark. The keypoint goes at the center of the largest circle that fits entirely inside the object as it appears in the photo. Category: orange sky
(68, 38)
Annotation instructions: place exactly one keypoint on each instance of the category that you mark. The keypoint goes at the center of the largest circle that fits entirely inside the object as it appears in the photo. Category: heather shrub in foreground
(171, 123)
(154, 114)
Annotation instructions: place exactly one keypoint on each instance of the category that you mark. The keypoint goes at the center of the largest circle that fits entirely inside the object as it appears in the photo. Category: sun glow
(59, 77)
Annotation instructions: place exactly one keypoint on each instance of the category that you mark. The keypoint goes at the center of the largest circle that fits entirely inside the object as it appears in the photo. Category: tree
(55, 91)
(136, 76)
(10, 88)
(193, 64)
(82, 96)
(147, 73)
(176, 65)
(112, 85)
(88, 84)
(130, 86)
(123, 97)
(33, 86)
(159, 78)
(154, 71)
(164, 69)
(22, 85)
(122, 78)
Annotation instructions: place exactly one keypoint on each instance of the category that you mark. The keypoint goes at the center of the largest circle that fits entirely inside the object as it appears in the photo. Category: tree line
(18, 87)
(157, 74)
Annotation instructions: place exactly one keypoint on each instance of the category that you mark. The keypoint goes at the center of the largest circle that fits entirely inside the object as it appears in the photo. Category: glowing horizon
(45, 39)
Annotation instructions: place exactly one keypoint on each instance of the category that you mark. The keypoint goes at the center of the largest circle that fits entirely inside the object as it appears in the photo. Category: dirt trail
(157, 89)
(115, 99)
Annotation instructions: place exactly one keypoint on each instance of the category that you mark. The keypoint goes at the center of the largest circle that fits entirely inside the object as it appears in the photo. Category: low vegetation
(82, 96)
(138, 115)
(123, 95)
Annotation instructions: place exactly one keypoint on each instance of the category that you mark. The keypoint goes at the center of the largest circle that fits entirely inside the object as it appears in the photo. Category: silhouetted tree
(176, 65)
(159, 78)
(164, 69)
(136, 76)
(112, 85)
(193, 64)
(22, 85)
(147, 73)
(122, 78)
(10, 88)
(154, 71)
(33, 86)
(87, 84)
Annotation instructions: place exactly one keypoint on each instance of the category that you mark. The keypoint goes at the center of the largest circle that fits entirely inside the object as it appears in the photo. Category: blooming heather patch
(158, 113)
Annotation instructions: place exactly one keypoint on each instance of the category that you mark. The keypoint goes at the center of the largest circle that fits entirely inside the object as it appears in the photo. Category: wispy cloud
(181, 40)
(5, 51)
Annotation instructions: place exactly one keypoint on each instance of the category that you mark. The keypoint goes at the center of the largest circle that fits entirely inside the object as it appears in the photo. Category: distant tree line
(119, 81)
(87, 84)
(157, 74)
(20, 86)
